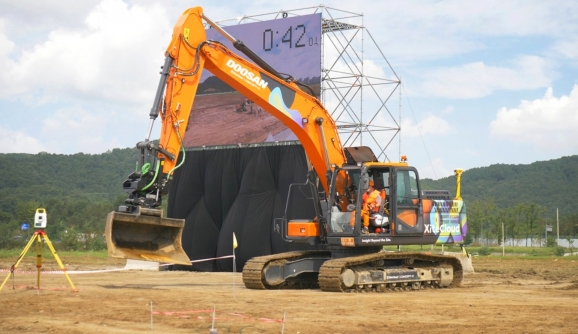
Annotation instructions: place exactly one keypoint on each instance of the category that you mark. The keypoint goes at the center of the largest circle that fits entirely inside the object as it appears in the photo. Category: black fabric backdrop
(241, 190)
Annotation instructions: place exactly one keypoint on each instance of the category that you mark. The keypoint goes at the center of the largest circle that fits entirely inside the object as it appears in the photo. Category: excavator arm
(299, 111)
(138, 229)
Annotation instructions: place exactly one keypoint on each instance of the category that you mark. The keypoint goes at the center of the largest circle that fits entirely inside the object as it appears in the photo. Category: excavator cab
(380, 197)
(371, 199)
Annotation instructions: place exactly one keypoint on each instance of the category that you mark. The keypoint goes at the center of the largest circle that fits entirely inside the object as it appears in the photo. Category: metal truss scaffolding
(357, 81)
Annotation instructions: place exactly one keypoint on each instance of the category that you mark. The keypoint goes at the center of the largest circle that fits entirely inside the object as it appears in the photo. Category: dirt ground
(513, 295)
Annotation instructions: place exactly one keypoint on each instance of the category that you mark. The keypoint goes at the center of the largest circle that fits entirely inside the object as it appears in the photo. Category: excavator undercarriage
(375, 272)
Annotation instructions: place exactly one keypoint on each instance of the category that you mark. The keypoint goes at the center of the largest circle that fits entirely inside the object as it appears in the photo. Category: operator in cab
(371, 204)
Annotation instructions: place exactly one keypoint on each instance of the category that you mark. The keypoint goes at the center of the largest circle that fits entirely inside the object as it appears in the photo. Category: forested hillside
(44, 176)
(520, 200)
(551, 184)
(76, 190)
(79, 190)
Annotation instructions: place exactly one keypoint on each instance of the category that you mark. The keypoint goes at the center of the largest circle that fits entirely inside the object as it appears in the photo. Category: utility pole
(557, 229)
(503, 249)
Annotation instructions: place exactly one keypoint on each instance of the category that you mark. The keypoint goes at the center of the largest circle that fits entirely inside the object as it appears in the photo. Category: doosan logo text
(246, 73)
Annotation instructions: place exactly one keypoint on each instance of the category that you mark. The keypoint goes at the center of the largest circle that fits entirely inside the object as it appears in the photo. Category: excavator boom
(138, 230)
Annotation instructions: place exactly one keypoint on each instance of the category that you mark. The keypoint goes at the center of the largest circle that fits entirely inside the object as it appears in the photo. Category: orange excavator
(350, 235)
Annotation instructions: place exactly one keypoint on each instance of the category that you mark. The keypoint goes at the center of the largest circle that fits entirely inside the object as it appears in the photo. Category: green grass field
(489, 251)
(46, 253)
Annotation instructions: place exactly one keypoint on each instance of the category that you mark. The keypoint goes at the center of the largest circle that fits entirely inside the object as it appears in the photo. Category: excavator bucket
(145, 235)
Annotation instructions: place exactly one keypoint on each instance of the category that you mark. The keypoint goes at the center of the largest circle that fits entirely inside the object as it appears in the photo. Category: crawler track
(329, 277)
(330, 272)
(253, 271)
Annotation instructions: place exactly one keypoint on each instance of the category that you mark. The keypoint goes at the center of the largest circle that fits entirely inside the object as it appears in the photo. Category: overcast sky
(484, 82)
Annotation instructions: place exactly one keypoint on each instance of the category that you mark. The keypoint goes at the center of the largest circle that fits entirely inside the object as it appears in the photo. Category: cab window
(407, 188)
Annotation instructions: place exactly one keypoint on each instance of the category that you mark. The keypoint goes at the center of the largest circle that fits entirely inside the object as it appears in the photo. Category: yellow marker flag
(235, 245)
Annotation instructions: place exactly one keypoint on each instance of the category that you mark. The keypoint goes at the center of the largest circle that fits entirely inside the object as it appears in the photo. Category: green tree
(569, 229)
(25, 211)
(532, 214)
(9, 231)
(482, 219)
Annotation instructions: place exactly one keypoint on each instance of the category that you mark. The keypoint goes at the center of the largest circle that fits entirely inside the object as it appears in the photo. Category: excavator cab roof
(359, 154)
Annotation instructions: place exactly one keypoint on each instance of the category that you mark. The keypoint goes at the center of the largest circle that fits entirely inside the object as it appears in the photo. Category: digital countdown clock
(291, 45)
(301, 39)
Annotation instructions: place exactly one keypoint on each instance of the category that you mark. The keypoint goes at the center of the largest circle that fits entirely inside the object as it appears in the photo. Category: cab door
(406, 202)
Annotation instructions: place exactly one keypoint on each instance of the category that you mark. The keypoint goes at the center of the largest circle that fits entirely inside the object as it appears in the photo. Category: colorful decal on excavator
(446, 219)
(277, 101)
(282, 98)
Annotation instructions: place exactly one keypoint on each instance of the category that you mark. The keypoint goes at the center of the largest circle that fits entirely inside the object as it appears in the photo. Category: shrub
(96, 243)
(69, 241)
(13, 242)
(484, 251)
(559, 251)
(551, 242)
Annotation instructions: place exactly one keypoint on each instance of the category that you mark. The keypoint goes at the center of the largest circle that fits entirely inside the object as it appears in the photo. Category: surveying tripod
(38, 236)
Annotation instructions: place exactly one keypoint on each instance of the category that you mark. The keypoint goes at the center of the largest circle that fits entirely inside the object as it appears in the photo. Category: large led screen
(223, 116)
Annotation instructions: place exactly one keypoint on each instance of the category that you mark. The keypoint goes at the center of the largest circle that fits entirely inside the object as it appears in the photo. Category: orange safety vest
(370, 198)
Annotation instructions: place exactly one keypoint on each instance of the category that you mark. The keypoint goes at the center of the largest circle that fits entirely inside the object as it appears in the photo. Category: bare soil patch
(513, 295)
